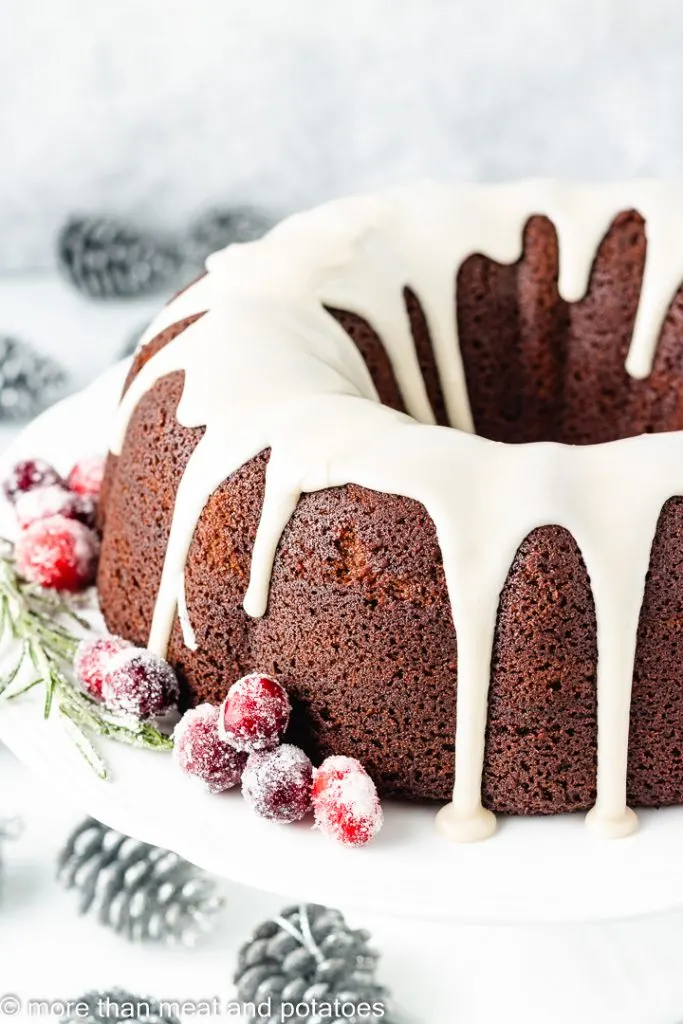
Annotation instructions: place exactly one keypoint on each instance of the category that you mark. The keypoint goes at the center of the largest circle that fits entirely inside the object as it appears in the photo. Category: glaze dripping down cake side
(380, 537)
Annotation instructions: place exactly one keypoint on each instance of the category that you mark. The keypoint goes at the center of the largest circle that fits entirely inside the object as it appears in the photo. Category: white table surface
(627, 972)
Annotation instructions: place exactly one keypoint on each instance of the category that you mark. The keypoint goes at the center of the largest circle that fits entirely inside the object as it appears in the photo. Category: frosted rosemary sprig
(38, 620)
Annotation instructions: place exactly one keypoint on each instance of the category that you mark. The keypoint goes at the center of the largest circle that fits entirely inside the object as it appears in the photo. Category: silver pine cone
(109, 1007)
(309, 955)
(143, 892)
(219, 228)
(106, 258)
(29, 381)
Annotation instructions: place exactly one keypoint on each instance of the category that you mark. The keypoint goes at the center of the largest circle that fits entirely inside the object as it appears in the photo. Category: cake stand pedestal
(530, 925)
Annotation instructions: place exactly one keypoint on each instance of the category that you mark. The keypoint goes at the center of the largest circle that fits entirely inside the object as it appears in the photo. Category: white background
(155, 108)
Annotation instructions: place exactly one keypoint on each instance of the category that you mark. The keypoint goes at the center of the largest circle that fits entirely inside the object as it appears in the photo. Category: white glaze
(268, 367)
(189, 637)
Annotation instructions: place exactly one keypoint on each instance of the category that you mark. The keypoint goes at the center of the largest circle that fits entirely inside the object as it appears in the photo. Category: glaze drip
(320, 415)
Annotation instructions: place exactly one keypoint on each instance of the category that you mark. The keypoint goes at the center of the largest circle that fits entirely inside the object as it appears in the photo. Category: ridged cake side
(359, 626)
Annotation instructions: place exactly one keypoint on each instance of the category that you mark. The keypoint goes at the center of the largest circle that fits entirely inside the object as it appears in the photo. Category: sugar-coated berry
(345, 801)
(140, 684)
(53, 500)
(27, 474)
(58, 552)
(86, 476)
(277, 783)
(92, 660)
(199, 750)
(255, 713)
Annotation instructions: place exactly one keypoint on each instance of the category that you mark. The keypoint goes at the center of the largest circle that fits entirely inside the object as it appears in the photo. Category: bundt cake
(296, 487)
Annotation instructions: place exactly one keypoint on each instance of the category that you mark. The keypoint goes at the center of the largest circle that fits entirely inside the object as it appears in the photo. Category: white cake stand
(537, 872)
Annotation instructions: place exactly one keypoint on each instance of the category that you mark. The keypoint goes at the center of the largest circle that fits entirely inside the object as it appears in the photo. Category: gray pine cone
(221, 227)
(106, 1007)
(308, 954)
(142, 892)
(105, 258)
(29, 381)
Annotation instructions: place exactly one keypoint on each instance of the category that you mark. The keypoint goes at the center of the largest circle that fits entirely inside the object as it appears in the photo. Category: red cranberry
(345, 801)
(58, 552)
(140, 684)
(277, 783)
(86, 476)
(53, 500)
(28, 474)
(92, 659)
(198, 750)
(255, 713)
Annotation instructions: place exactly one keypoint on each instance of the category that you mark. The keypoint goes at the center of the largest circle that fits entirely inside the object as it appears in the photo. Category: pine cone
(140, 891)
(106, 1007)
(29, 382)
(108, 259)
(308, 954)
(218, 228)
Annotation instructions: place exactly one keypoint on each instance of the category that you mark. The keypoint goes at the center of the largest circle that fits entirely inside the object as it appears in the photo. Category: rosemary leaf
(12, 675)
(84, 745)
(39, 619)
(71, 614)
(24, 689)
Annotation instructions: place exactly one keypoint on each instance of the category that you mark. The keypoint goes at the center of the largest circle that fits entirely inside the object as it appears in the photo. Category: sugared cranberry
(53, 500)
(198, 750)
(277, 783)
(140, 684)
(58, 552)
(93, 658)
(345, 801)
(28, 474)
(255, 713)
(86, 476)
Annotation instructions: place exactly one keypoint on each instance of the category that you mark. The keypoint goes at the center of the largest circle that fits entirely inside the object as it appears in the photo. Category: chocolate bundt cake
(296, 487)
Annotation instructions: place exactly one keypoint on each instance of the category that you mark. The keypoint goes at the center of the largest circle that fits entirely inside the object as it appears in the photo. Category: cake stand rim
(409, 872)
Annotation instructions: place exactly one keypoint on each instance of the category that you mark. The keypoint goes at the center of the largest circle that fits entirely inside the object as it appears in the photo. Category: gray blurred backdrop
(156, 108)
